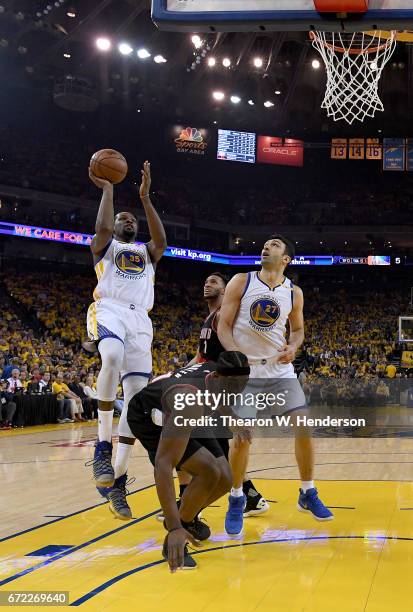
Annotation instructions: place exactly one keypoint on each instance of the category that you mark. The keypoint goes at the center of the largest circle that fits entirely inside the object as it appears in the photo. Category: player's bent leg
(111, 351)
(116, 496)
(211, 478)
(308, 500)
(238, 460)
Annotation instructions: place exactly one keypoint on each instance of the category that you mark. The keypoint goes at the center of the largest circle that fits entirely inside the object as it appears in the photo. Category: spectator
(14, 384)
(62, 392)
(89, 405)
(7, 406)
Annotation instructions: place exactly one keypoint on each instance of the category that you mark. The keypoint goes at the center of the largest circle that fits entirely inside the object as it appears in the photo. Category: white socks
(123, 454)
(105, 420)
(237, 492)
(307, 484)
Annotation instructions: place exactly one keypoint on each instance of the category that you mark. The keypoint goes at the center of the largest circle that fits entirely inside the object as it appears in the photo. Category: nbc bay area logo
(190, 140)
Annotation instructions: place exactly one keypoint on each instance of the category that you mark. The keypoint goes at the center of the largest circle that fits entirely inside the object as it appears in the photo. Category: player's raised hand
(99, 182)
(146, 179)
(177, 541)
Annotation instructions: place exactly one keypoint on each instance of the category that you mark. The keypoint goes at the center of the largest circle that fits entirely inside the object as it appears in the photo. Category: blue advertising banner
(68, 237)
(394, 154)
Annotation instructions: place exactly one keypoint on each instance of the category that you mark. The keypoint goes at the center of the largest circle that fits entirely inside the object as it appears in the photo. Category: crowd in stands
(349, 336)
(312, 195)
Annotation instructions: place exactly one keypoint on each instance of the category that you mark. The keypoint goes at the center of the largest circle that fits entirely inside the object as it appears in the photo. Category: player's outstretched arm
(157, 245)
(105, 219)
(229, 310)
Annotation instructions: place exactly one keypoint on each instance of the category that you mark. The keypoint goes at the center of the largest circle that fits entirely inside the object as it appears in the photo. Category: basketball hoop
(354, 64)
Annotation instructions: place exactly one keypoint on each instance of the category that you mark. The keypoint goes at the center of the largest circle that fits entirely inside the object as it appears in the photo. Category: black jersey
(209, 345)
(150, 397)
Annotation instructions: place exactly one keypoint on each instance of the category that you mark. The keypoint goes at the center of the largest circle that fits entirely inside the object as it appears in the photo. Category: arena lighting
(226, 62)
(103, 44)
(315, 64)
(71, 13)
(143, 53)
(212, 61)
(235, 99)
(67, 55)
(196, 41)
(159, 59)
(251, 102)
(125, 48)
(218, 95)
(277, 92)
(268, 104)
(258, 62)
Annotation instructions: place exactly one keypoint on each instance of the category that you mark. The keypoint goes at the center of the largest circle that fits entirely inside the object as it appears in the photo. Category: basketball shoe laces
(119, 492)
(316, 502)
(102, 463)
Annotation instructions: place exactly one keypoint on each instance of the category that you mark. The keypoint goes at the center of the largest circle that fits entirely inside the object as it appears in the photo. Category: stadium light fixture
(196, 41)
(143, 53)
(103, 44)
(125, 48)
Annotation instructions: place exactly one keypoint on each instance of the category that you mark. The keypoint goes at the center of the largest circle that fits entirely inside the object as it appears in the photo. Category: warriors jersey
(260, 327)
(209, 345)
(126, 274)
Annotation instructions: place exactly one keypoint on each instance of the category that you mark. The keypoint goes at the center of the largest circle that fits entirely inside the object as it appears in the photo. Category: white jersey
(125, 274)
(260, 327)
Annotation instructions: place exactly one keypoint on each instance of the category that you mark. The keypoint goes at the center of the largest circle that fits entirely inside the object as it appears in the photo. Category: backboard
(277, 15)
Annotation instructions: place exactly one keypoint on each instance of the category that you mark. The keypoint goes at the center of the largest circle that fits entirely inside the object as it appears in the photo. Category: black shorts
(148, 434)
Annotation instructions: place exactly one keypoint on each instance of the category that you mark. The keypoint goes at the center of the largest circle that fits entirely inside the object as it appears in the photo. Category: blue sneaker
(117, 498)
(234, 520)
(310, 502)
(103, 472)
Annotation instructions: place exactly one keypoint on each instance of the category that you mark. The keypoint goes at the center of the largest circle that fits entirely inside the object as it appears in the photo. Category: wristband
(174, 529)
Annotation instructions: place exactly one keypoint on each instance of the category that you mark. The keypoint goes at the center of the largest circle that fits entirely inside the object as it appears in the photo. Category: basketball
(110, 165)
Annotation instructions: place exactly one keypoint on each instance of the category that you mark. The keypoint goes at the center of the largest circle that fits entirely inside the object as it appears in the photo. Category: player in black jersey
(209, 348)
(175, 445)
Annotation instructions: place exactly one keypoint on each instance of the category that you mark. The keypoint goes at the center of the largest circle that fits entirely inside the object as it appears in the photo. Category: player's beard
(211, 296)
(129, 234)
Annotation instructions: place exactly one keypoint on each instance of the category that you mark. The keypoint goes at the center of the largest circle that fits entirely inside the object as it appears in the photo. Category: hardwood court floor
(55, 534)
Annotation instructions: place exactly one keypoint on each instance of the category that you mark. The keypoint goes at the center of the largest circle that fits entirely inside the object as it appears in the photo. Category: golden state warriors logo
(130, 263)
(264, 313)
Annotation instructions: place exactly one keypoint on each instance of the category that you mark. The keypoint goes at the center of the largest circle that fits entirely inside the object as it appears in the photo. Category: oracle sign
(283, 152)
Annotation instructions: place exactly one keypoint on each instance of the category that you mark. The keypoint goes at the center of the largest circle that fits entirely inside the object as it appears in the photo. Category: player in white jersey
(254, 315)
(119, 324)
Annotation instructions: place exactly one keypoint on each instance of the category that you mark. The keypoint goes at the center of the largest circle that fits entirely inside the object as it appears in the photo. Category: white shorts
(128, 323)
(272, 389)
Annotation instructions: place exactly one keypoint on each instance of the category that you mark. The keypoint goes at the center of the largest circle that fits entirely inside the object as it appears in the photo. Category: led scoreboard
(236, 146)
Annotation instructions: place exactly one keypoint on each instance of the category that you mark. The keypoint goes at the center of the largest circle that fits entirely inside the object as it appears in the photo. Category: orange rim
(366, 51)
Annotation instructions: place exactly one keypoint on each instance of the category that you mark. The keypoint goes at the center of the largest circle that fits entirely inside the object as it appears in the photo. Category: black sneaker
(256, 504)
(189, 562)
(197, 528)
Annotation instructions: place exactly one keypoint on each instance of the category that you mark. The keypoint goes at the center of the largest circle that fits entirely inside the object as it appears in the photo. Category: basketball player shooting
(253, 318)
(119, 324)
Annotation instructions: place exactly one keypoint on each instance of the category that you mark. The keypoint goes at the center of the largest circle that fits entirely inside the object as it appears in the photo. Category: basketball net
(354, 63)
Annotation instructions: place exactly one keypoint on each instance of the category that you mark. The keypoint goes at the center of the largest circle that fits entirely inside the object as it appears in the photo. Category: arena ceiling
(46, 43)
